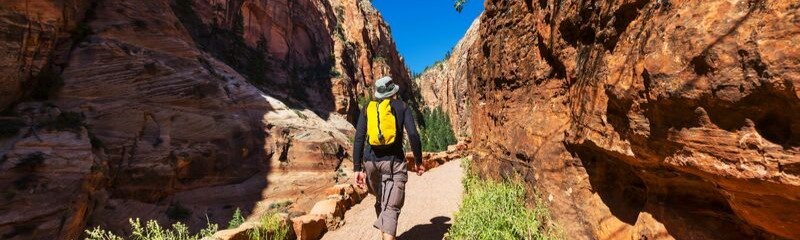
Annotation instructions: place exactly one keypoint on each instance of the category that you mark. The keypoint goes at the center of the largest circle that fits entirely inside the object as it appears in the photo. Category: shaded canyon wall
(638, 119)
(177, 110)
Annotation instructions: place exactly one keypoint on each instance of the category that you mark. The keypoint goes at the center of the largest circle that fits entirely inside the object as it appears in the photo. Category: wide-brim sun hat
(385, 88)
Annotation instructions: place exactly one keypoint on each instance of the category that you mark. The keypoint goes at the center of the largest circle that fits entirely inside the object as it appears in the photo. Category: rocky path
(431, 200)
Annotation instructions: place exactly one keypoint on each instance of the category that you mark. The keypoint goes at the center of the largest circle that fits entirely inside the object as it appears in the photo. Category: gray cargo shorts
(389, 190)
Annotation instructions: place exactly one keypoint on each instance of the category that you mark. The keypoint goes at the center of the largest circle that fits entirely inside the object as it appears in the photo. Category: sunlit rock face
(325, 54)
(445, 84)
(178, 110)
(644, 119)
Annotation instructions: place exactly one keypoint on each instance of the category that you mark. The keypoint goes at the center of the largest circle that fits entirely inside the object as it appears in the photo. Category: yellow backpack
(381, 124)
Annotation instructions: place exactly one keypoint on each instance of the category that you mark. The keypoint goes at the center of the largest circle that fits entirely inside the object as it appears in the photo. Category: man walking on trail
(381, 125)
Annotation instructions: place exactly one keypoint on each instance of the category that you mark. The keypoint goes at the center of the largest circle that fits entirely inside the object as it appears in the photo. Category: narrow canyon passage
(431, 200)
(632, 119)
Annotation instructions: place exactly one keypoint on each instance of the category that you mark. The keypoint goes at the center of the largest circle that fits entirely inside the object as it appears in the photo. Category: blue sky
(425, 30)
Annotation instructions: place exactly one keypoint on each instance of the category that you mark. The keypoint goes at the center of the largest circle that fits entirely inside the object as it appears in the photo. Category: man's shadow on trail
(435, 230)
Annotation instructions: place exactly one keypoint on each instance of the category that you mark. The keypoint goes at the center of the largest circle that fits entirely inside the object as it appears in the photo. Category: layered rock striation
(178, 110)
(644, 119)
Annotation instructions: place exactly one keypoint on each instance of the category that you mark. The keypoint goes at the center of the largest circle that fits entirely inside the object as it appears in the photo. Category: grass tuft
(458, 5)
(496, 210)
(270, 226)
(300, 114)
(236, 220)
(153, 231)
(281, 206)
(98, 233)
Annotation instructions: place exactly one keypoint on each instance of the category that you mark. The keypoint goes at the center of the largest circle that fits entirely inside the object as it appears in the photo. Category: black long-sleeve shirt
(404, 118)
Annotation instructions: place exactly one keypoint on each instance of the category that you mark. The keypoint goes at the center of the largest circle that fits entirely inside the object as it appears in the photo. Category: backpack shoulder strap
(398, 106)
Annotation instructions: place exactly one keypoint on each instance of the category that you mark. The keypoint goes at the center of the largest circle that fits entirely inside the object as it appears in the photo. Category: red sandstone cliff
(445, 84)
(177, 110)
(642, 119)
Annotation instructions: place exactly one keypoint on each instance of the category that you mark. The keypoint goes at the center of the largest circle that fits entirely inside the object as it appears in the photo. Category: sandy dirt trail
(431, 200)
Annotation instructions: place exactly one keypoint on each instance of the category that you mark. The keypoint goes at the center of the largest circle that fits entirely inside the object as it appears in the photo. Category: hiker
(380, 124)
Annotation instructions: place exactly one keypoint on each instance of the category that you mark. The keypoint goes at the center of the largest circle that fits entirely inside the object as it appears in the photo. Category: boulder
(329, 208)
(309, 227)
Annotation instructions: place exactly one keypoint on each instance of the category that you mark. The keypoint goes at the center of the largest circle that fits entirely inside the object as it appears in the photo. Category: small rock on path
(431, 200)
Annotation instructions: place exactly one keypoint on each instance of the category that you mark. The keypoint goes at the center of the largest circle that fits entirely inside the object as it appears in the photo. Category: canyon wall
(177, 110)
(637, 119)
(444, 84)
(31, 32)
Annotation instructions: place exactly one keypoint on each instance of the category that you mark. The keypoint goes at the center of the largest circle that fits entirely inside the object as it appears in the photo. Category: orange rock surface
(644, 119)
(445, 84)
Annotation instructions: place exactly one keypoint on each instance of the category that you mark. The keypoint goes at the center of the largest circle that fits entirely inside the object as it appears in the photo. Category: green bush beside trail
(496, 210)
(270, 226)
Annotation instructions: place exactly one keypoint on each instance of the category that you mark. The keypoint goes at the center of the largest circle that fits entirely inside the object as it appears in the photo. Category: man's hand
(360, 177)
(420, 169)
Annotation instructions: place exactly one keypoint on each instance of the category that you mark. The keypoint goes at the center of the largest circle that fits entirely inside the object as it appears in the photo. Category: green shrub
(300, 114)
(364, 100)
(416, 98)
(152, 231)
(437, 132)
(236, 220)
(378, 58)
(98, 233)
(340, 13)
(179, 231)
(208, 231)
(338, 30)
(280, 205)
(270, 226)
(437, 64)
(334, 73)
(496, 210)
(459, 5)
(340, 174)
